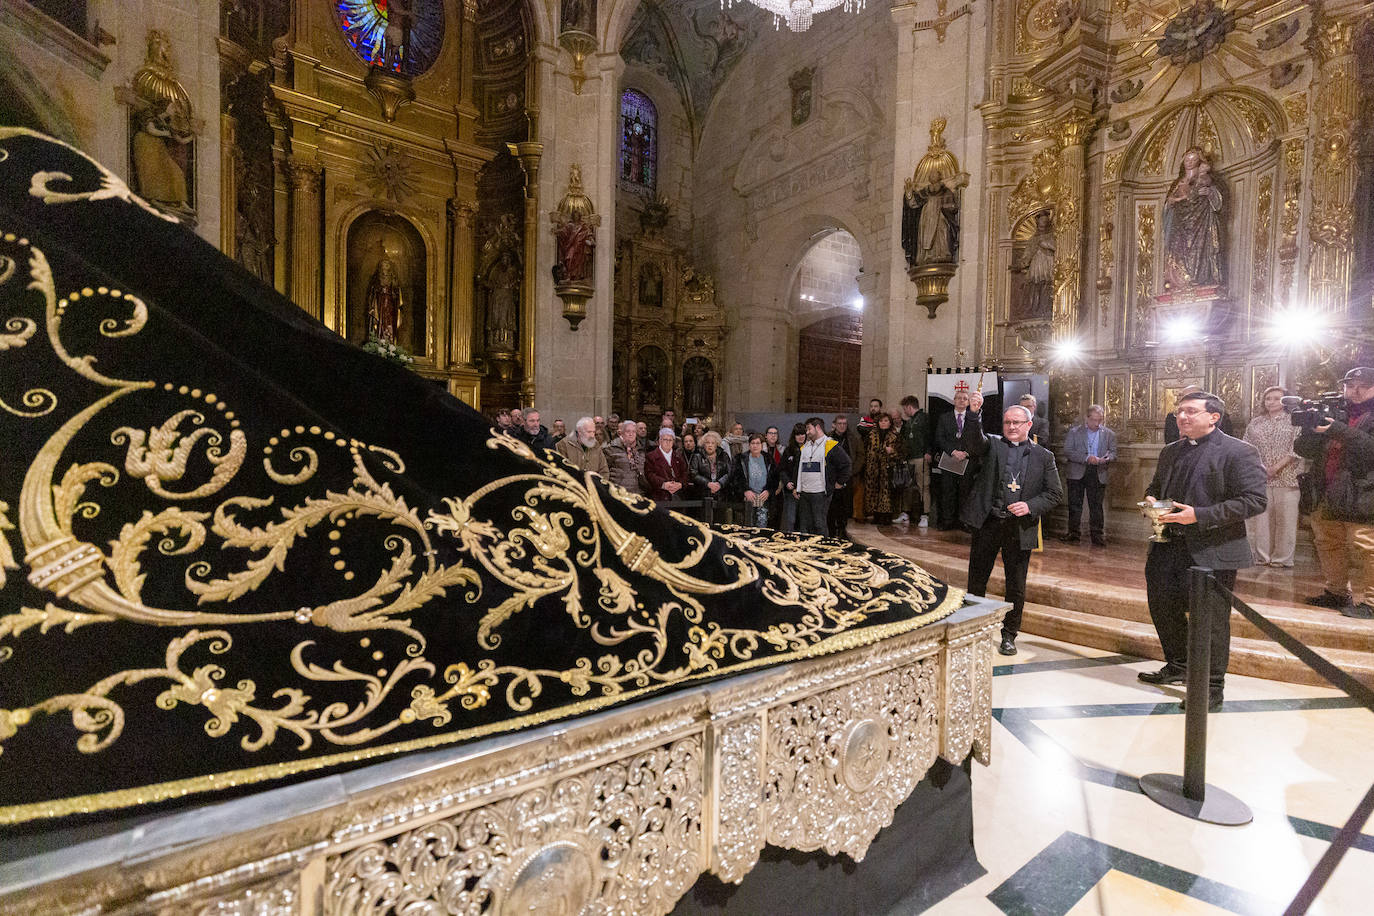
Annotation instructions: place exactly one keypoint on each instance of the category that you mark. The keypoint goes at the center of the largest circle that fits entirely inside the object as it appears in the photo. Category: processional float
(243, 562)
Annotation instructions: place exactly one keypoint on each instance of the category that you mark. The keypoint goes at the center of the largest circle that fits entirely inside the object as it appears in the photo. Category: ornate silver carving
(839, 763)
(624, 838)
(619, 813)
(738, 799)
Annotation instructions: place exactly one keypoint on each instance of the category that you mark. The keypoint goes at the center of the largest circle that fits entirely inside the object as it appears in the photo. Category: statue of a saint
(384, 301)
(1033, 265)
(503, 303)
(163, 134)
(930, 205)
(648, 384)
(576, 243)
(698, 386)
(394, 36)
(574, 232)
(578, 16)
(1192, 227)
(650, 286)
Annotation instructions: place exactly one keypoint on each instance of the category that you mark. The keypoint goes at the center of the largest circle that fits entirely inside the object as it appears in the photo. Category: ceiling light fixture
(797, 13)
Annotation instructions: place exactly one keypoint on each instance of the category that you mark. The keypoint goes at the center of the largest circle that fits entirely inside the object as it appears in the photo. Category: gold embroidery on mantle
(563, 532)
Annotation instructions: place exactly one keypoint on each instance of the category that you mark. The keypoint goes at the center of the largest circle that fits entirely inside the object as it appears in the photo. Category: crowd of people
(757, 477)
(1237, 502)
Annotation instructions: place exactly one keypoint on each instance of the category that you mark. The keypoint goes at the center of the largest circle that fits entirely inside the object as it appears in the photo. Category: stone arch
(26, 103)
(1240, 130)
(1237, 123)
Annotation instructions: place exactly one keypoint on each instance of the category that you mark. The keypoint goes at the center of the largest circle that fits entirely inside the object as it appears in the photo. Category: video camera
(1308, 414)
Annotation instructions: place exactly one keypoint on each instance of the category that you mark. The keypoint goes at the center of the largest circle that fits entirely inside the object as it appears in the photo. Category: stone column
(1335, 151)
(228, 187)
(304, 173)
(1074, 131)
(461, 214)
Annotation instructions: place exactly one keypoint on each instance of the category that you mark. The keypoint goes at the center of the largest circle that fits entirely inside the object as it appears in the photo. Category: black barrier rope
(1345, 838)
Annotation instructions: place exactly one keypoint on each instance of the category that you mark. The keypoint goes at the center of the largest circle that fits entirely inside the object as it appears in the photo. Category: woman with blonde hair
(1274, 532)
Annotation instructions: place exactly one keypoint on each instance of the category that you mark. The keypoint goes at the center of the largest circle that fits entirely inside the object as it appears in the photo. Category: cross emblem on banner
(961, 387)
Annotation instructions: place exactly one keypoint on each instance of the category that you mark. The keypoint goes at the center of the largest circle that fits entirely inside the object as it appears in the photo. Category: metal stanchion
(1190, 795)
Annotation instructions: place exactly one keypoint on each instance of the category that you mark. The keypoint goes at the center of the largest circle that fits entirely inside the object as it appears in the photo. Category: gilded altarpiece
(669, 333)
(381, 120)
(1102, 119)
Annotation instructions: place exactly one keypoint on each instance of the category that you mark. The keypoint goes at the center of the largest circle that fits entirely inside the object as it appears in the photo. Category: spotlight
(1067, 351)
(858, 302)
(1296, 326)
(1181, 329)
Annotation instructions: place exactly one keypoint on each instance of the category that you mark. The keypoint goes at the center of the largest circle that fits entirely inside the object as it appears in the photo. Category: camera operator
(1342, 455)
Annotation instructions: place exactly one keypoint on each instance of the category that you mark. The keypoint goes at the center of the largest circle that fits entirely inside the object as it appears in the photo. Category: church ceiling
(693, 44)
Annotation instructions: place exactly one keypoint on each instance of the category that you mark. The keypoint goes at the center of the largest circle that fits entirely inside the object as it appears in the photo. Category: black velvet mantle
(235, 548)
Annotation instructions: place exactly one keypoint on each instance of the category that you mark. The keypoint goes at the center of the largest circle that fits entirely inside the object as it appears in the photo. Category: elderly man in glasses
(1017, 483)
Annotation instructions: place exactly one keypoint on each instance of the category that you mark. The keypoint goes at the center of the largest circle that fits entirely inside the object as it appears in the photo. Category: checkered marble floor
(1062, 827)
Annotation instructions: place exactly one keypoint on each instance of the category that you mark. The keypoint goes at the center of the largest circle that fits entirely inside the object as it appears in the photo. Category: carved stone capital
(1329, 38)
(304, 173)
(462, 213)
(1076, 129)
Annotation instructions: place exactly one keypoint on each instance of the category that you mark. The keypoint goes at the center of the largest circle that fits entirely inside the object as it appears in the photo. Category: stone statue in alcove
(383, 301)
(1033, 272)
(503, 303)
(698, 386)
(1194, 211)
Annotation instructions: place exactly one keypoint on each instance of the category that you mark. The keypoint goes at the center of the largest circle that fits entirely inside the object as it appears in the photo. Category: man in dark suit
(1216, 483)
(1017, 483)
(1171, 433)
(954, 433)
(665, 470)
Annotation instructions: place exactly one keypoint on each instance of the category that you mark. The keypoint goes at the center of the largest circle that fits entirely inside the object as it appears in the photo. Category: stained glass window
(400, 35)
(638, 140)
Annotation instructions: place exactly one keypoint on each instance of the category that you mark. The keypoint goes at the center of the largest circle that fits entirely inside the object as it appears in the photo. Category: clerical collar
(1201, 439)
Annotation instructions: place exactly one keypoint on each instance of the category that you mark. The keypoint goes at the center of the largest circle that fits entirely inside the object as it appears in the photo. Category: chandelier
(798, 13)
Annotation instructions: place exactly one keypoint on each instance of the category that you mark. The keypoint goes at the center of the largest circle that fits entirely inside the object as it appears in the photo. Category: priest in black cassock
(1017, 483)
(1216, 482)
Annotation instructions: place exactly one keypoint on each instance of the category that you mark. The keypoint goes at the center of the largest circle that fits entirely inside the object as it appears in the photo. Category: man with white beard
(582, 449)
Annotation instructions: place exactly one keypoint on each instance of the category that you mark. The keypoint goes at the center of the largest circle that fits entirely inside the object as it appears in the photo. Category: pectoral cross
(1013, 486)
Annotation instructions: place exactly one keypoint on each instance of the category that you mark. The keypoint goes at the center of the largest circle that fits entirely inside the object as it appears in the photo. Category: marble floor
(1062, 827)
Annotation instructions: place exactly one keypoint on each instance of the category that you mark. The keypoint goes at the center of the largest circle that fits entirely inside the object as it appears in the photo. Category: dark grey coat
(1227, 487)
(1040, 489)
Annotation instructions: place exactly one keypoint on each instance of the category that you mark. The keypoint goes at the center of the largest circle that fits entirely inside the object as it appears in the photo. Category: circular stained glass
(400, 35)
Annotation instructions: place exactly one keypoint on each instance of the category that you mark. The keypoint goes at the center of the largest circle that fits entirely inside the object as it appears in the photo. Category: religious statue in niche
(386, 269)
(930, 220)
(930, 206)
(502, 288)
(383, 300)
(1032, 267)
(650, 286)
(162, 133)
(698, 387)
(1193, 213)
(800, 82)
(578, 16)
(575, 232)
(653, 377)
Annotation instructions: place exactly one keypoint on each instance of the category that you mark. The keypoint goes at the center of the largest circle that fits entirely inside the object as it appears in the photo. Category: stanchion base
(1217, 806)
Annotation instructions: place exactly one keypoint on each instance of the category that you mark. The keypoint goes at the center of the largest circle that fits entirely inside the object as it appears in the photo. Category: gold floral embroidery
(545, 537)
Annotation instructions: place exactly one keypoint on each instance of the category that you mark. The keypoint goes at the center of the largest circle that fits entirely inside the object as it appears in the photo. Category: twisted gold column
(1335, 151)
